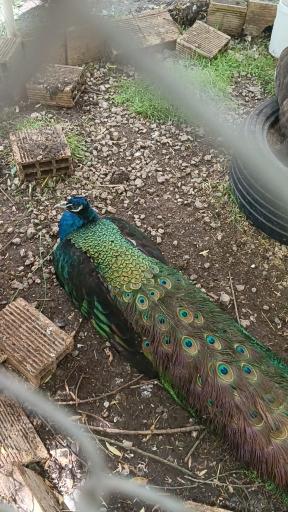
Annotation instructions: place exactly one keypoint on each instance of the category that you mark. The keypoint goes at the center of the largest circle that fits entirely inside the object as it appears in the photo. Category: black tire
(254, 202)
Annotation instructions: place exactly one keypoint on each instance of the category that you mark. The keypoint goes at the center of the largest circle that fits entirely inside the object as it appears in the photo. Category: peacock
(164, 325)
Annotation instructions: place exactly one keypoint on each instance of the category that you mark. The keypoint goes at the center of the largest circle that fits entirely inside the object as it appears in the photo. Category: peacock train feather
(161, 322)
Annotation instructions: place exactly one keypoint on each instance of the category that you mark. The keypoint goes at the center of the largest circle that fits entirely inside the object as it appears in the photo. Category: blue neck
(69, 222)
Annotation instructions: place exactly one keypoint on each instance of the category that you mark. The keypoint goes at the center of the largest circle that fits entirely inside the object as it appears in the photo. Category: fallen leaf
(113, 450)
(140, 480)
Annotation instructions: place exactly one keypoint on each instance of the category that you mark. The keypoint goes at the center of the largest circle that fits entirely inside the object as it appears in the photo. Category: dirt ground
(172, 183)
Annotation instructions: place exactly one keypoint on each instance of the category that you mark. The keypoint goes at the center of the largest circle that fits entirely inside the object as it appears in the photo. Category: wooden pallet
(27, 491)
(51, 91)
(227, 16)
(11, 56)
(260, 15)
(19, 441)
(150, 29)
(203, 40)
(83, 45)
(41, 153)
(32, 343)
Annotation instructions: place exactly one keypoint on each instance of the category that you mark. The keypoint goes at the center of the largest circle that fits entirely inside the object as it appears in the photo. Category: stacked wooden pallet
(31, 345)
(41, 153)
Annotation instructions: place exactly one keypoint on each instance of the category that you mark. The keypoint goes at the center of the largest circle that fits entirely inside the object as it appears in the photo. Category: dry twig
(234, 298)
(160, 432)
(104, 395)
(194, 446)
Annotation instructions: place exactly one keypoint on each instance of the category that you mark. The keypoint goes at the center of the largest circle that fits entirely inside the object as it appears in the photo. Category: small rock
(240, 287)
(139, 183)
(245, 323)
(198, 204)
(16, 241)
(224, 298)
(30, 232)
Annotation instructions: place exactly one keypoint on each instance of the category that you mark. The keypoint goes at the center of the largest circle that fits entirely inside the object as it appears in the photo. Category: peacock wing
(78, 275)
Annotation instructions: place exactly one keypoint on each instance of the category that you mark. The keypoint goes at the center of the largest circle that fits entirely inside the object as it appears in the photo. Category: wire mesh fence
(198, 108)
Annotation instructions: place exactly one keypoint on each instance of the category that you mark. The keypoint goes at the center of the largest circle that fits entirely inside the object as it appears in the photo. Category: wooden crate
(260, 15)
(84, 45)
(150, 29)
(55, 85)
(203, 40)
(11, 56)
(32, 343)
(41, 153)
(227, 16)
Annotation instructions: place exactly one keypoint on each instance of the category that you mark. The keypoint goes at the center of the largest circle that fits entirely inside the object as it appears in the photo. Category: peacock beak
(62, 205)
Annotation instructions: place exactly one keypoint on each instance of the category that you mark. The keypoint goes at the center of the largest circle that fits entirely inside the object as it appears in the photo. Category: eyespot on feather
(127, 296)
(279, 434)
(185, 315)
(164, 281)
(153, 294)
(167, 342)
(249, 372)
(162, 322)
(142, 301)
(213, 342)
(241, 351)
(225, 372)
(256, 419)
(190, 345)
(198, 318)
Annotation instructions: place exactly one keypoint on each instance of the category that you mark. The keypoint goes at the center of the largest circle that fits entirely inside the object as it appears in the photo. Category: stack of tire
(254, 201)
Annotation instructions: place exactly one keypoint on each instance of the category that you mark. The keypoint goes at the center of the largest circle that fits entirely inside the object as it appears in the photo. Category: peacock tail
(161, 321)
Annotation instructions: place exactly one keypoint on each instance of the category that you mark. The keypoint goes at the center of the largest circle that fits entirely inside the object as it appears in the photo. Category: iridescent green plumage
(156, 314)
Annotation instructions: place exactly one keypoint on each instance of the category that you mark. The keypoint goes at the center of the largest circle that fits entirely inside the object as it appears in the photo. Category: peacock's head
(76, 204)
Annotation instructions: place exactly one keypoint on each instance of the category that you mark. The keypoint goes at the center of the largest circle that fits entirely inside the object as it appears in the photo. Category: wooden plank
(19, 441)
(27, 491)
(227, 16)
(203, 40)
(32, 343)
(261, 14)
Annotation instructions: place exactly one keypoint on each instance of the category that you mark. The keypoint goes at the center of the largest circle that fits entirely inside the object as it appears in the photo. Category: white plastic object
(279, 37)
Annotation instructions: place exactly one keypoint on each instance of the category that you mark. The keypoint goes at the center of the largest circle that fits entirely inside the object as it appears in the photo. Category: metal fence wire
(199, 109)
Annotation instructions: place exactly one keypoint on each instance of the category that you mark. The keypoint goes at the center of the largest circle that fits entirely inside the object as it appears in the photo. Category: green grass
(33, 123)
(75, 141)
(218, 75)
(241, 60)
(141, 99)
(77, 146)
